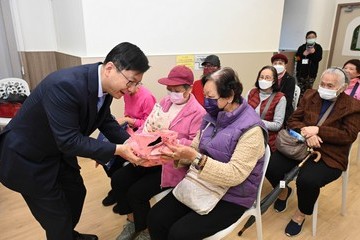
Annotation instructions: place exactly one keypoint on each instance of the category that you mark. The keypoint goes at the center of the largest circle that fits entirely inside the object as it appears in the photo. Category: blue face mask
(211, 106)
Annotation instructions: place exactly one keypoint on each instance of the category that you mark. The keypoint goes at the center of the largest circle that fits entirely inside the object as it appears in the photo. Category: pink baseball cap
(179, 75)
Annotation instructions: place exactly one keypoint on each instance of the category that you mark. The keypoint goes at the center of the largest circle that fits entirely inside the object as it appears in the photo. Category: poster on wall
(199, 59)
(192, 61)
(187, 60)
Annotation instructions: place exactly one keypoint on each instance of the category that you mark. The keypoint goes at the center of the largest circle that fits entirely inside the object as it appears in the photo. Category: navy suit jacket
(54, 125)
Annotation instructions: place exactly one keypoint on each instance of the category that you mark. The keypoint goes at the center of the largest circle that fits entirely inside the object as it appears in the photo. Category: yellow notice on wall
(187, 60)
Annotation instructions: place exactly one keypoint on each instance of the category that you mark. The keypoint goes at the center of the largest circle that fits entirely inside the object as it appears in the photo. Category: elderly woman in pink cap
(134, 186)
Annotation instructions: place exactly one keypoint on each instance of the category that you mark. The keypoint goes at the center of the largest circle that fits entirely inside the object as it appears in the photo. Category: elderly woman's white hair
(342, 75)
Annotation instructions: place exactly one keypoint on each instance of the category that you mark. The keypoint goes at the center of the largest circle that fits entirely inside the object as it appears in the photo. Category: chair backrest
(13, 85)
(296, 96)
(266, 163)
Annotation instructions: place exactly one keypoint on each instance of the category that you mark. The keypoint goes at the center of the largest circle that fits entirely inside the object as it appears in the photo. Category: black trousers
(59, 210)
(133, 187)
(312, 176)
(170, 219)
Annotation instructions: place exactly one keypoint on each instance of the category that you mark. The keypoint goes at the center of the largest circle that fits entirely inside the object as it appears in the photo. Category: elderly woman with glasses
(268, 102)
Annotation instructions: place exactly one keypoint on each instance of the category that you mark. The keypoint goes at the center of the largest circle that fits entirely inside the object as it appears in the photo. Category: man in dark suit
(39, 147)
(333, 139)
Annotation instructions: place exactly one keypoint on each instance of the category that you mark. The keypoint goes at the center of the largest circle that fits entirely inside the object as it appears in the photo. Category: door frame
(336, 26)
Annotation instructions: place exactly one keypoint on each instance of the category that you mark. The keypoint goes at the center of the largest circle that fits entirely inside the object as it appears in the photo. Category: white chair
(12, 85)
(255, 210)
(297, 92)
(345, 180)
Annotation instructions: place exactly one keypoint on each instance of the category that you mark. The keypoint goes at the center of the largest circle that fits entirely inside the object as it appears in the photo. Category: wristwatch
(197, 160)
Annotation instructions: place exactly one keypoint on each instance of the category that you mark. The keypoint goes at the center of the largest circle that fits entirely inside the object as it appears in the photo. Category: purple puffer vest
(218, 140)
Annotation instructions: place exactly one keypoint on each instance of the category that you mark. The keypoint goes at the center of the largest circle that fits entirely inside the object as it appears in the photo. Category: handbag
(151, 146)
(289, 144)
(9, 109)
(199, 195)
(10, 105)
(11, 100)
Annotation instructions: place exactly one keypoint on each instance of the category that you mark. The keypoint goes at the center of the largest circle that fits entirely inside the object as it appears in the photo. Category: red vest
(254, 101)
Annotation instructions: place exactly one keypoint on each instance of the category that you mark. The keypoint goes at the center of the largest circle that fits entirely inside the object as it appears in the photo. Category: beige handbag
(199, 195)
(290, 146)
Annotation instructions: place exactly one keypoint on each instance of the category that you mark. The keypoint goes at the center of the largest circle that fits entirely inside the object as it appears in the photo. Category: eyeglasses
(265, 77)
(130, 83)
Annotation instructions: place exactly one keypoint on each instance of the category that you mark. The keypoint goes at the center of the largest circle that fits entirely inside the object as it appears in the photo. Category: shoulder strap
(354, 89)
(270, 99)
(325, 115)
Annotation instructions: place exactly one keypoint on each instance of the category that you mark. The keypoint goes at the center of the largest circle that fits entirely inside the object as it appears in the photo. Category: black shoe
(280, 205)
(83, 236)
(293, 228)
(108, 200)
(116, 209)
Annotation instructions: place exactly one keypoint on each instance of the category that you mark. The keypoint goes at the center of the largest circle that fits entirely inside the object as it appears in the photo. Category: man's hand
(125, 151)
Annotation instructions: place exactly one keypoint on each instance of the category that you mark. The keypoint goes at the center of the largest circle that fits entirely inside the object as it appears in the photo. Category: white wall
(69, 25)
(179, 27)
(34, 25)
(90, 28)
(303, 16)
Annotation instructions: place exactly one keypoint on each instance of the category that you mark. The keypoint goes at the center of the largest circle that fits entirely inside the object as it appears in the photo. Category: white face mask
(279, 68)
(310, 40)
(327, 94)
(265, 84)
(176, 97)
